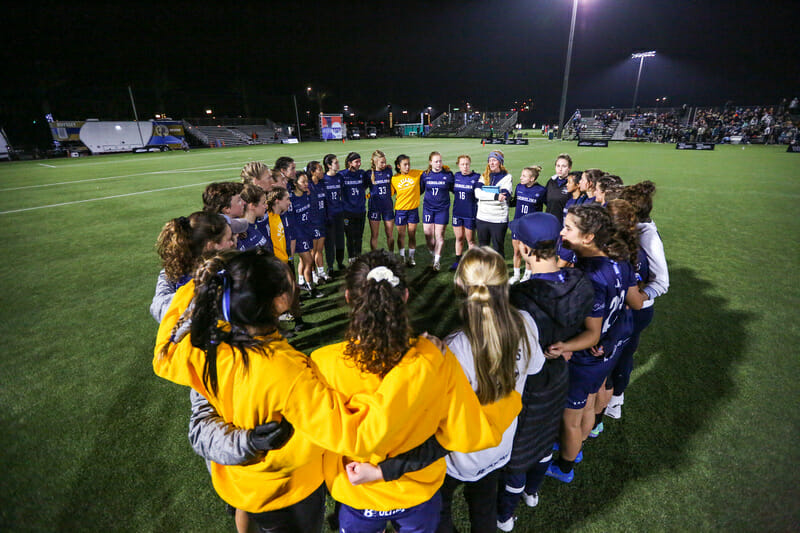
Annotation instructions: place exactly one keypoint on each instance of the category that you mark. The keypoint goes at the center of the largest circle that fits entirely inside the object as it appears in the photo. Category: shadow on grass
(684, 372)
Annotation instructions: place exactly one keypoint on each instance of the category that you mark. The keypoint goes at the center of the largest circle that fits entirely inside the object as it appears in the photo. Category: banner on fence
(594, 144)
(330, 127)
(694, 146)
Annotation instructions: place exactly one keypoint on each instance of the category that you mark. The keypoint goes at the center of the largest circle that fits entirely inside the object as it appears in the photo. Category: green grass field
(93, 440)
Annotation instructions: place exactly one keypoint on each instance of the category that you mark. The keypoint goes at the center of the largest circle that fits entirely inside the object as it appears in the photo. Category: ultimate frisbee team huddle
(389, 422)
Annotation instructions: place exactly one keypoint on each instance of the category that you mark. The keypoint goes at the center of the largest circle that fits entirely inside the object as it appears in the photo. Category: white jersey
(475, 465)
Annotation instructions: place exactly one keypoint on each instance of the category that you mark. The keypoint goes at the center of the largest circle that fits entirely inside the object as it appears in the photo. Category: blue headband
(496, 155)
(226, 296)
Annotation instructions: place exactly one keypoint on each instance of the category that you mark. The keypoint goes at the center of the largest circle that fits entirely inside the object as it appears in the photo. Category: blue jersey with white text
(333, 195)
(262, 225)
(318, 194)
(437, 187)
(464, 203)
(380, 192)
(301, 216)
(611, 280)
(354, 191)
(252, 239)
(529, 199)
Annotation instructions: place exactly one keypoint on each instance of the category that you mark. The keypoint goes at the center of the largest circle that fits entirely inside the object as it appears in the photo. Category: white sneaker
(614, 408)
(508, 525)
(513, 279)
(531, 500)
(437, 266)
(286, 317)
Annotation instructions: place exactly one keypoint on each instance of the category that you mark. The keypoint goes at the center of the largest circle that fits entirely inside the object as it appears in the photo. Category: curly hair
(379, 333)
(640, 196)
(593, 218)
(624, 243)
(183, 240)
(217, 196)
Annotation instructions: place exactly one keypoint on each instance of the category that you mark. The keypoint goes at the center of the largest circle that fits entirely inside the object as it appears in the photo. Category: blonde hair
(494, 328)
(252, 171)
(534, 170)
(486, 179)
(377, 154)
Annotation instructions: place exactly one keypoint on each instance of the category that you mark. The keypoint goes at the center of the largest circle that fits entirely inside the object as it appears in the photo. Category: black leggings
(481, 496)
(334, 240)
(494, 232)
(305, 515)
(354, 233)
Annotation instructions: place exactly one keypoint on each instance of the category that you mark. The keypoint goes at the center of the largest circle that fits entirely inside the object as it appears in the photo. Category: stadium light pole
(641, 57)
(566, 70)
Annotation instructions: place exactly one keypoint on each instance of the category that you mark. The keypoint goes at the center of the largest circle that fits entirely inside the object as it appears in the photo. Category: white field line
(48, 166)
(98, 199)
(204, 168)
(640, 370)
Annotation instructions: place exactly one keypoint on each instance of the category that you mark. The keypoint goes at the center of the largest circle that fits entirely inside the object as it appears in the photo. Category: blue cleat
(554, 471)
(596, 431)
(579, 457)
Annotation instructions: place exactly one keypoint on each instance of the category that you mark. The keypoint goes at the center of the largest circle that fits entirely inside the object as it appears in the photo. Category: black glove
(270, 436)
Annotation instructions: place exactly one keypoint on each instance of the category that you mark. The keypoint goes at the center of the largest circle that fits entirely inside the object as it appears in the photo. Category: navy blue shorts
(403, 217)
(318, 232)
(434, 217)
(303, 243)
(586, 379)
(422, 517)
(468, 223)
(381, 215)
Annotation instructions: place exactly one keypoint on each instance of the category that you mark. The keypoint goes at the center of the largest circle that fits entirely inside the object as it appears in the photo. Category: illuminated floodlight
(208, 111)
(639, 55)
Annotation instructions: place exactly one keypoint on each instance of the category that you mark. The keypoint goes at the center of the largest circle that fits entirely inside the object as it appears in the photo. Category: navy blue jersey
(262, 225)
(565, 253)
(529, 199)
(464, 204)
(380, 192)
(611, 281)
(354, 191)
(317, 195)
(585, 200)
(252, 238)
(437, 187)
(288, 229)
(301, 217)
(333, 195)
(570, 203)
(642, 266)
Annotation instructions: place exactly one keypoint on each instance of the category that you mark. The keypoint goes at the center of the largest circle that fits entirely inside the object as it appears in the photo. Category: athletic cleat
(596, 431)
(453, 268)
(554, 471)
(531, 500)
(513, 279)
(613, 411)
(436, 267)
(506, 525)
(410, 262)
(578, 458)
(286, 317)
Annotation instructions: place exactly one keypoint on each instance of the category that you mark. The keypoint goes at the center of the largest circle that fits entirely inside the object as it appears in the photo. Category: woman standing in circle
(354, 199)
(437, 182)
(406, 188)
(588, 231)
(557, 194)
(316, 189)
(181, 245)
(380, 201)
(655, 282)
(304, 233)
(528, 198)
(334, 229)
(465, 206)
(493, 194)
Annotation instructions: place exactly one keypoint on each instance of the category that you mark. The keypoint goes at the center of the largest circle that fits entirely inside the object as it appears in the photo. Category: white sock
(516, 272)
(528, 273)
(436, 258)
(320, 271)
(402, 252)
(301, 280)
(411, 252)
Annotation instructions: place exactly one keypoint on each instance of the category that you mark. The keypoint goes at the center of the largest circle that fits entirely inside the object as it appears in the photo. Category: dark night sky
(250, 58)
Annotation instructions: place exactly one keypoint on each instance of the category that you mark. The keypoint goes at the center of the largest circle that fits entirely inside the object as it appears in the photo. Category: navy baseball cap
(535, 228)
